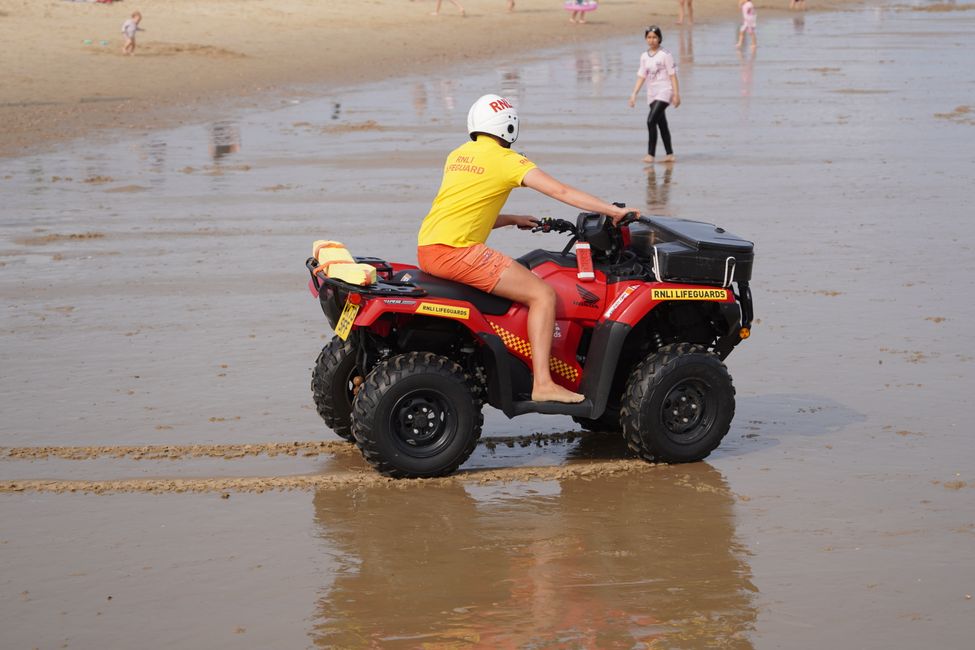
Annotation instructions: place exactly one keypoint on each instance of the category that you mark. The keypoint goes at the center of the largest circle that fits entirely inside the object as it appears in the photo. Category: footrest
(582, 409)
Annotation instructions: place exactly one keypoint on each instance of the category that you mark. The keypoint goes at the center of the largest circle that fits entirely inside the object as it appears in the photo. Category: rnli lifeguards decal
(689, 294)
(447, 311)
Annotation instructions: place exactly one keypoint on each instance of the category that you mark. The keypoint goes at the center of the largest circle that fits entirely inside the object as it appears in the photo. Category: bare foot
(435, 13)
(670, 158)
(556, 393)
(648, 158)
(582, 21)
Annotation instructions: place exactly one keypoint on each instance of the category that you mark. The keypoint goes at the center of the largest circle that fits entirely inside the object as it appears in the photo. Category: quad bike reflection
(621, 561)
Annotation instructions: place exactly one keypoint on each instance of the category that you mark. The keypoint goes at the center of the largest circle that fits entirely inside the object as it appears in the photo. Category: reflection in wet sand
(224, 139)
(624, 561)
(658, 189)
(686, 36)
(747, 63)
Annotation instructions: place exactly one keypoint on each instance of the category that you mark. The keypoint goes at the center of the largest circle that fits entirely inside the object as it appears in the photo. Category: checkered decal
(524, 348)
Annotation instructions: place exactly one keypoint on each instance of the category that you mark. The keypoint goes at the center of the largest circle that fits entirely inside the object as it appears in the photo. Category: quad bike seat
(440, 288)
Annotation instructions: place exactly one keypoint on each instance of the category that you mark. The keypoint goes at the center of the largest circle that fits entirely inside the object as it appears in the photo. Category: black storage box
(692, 251)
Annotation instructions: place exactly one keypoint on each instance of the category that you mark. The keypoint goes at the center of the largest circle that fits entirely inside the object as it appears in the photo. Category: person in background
(690, 12)
(749, 19)
(659, 71)
(129, 29)
(436, 12)
(477, 179)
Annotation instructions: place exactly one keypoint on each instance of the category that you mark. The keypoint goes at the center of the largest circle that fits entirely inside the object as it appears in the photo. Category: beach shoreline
(67, 78)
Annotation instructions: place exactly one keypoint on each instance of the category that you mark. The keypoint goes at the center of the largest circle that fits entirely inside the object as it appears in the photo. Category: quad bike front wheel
(416, 416)
(678, 404)
(333, 386)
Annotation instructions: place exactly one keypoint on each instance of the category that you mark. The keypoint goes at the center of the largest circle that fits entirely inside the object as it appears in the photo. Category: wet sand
(64, 75)
(157, 341)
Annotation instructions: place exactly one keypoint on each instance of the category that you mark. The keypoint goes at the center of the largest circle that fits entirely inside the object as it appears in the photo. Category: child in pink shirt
(659, 72)
(749, 19)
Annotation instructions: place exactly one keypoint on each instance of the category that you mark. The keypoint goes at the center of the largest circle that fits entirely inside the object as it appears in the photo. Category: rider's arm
(542, 182)
(523, 221)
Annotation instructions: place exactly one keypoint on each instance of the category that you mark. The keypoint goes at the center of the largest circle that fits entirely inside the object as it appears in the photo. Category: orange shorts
(477, 265)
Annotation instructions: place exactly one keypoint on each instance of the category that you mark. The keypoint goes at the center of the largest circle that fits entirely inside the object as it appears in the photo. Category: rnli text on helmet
(500, 105)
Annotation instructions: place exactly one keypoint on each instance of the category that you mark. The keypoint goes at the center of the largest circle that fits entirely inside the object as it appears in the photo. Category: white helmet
(494, 115)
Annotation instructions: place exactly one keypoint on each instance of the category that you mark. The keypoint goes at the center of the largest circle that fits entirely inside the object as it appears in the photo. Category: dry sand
(60, 81)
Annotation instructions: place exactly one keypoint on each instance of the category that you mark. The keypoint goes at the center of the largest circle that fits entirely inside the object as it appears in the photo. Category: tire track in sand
(365, 478)
(348, 479)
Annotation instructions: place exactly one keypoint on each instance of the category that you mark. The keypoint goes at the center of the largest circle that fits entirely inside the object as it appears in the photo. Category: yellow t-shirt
(477, 179)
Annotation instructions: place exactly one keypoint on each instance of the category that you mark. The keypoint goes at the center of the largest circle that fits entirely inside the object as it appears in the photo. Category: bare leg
(519, 284)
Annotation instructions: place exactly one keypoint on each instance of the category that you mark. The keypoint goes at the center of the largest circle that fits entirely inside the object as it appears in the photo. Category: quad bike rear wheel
(678, 404)
(416, 416)
(333, 386)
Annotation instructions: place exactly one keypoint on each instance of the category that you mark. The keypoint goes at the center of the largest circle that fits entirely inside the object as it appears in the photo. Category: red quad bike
(415, 357)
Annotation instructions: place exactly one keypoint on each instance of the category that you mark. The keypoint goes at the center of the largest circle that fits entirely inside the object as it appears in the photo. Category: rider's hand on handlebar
(624, 213)
(524, 222)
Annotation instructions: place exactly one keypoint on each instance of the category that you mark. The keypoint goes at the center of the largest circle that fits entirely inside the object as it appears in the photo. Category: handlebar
(628, 218)
(548, 224)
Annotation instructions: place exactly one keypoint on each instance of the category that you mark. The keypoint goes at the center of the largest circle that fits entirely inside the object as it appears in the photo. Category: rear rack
(387, 287)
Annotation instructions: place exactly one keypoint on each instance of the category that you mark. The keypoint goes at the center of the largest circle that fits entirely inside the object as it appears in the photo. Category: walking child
(129, 28)
(749, 19)
(659, 71)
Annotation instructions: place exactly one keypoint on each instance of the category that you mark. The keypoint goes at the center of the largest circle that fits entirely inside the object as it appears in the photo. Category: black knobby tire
(678, 404)
(416, 416)
(331, 386)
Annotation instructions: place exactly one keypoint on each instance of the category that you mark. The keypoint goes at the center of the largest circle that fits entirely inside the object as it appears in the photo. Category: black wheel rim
(422, 423)
(349, 393)
(688, 411)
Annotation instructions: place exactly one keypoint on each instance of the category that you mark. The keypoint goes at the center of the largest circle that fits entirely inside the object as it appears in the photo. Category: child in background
(129, 28)
(579, 9)
(748, 20)
(659, 71)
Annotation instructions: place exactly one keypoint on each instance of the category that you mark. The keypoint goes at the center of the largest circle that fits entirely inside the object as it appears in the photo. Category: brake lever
(544, 225)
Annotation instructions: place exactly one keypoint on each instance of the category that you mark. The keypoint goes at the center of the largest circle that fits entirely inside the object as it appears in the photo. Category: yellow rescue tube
(336, 261)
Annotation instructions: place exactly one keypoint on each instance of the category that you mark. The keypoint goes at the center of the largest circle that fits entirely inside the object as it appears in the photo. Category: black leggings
(658, 118)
